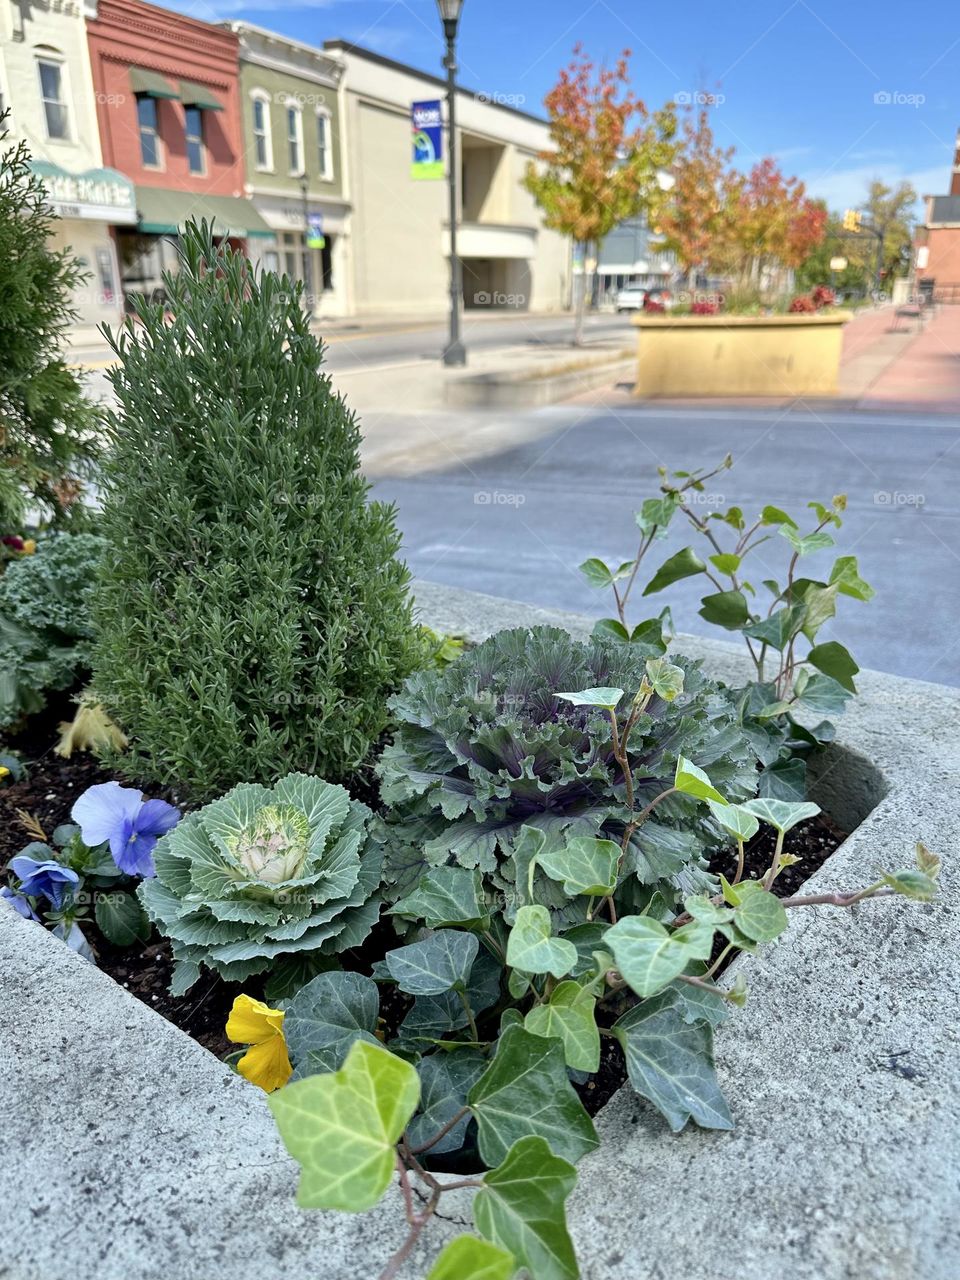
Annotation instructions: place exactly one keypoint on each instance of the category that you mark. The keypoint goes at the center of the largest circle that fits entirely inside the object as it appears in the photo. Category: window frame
(325, 145)
(261, 97)
(51, 57)
(294, 109)
(195, 138)
(160, 164)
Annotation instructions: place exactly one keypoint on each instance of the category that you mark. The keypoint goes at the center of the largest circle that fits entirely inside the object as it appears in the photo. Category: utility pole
(454, 353)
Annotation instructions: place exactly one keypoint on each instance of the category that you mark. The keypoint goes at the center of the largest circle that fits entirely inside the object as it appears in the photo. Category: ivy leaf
(807, 544)
(697, 1005)
(445, 1081)
(446, 896)
(469, 1258)
(342, 1127)
(610, 627)
(326, 1016)
(606, 698)
(520, 1208)
(656, 513)
(649, 956)
(927, 862)
(759, 914)
(834, 660)
(779, 629)
(819, 601)
(433, 1016)
(911, 884)
(694, 782)
(685, 564)
(649, 636)
(665, 677)
(780, 814)
(670, 1062)
(773, 515)
(783, 780)
(524, 1091)
(846, 577)
(725, 608)
(437, 964)
(734, 818)
(725, 562)
(569, 1015)
(819, 693)
(586, 865)
(121, 919)
(531, 949)
(599, 574)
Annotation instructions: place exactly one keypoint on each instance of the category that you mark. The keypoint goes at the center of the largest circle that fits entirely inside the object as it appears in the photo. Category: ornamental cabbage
(489, 745)
(265, 877)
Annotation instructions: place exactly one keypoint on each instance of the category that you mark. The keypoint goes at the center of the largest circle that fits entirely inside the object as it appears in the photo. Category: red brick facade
(128, 33)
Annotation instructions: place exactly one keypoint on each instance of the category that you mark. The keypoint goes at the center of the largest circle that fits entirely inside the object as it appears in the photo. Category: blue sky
(839, 92)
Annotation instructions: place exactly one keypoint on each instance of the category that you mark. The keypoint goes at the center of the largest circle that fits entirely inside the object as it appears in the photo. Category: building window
(324, 152)
(193, 126)
(263, 150)
(295, 139)
(54, 98)
(150, 154)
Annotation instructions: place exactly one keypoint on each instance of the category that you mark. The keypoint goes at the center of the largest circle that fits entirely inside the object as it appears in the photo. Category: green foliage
(45, 623)
(50, 431)
(790, 684)
(517, 735)
(253, 616)
(262, 874)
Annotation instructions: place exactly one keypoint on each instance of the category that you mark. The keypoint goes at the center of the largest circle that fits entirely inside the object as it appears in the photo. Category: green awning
(198, 95)
(164, 212)
(151, 84)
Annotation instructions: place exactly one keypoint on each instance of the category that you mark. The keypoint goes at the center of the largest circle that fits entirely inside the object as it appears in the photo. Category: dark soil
(46, 795)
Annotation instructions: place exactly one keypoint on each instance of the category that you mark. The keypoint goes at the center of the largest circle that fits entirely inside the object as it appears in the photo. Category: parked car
(630, 298)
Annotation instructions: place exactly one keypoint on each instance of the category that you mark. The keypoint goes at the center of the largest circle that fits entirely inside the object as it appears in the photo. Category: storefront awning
(165, 213)
(103, 195)
(198, 95)
(151, 84)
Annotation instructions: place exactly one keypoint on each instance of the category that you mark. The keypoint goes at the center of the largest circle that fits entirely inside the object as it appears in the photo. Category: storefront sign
(95, 195)
(427, 122)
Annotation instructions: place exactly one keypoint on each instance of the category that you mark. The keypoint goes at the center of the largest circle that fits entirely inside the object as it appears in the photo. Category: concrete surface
(132, 1154)
(534, 383)
(567, 480)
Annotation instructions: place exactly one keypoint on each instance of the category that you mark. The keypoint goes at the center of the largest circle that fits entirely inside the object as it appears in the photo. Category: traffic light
(851, 220)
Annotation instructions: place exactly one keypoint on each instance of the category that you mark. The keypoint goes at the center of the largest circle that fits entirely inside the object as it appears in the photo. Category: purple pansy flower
(40, 879)
(18, 902)
(132, 825)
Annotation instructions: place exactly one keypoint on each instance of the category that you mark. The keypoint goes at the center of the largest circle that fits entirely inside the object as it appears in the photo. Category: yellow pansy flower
(266, 1063)
(4, 771)
(29, 546)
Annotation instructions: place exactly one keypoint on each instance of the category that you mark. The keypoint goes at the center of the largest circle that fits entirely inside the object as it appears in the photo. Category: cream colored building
(46, 82)
(400, 226)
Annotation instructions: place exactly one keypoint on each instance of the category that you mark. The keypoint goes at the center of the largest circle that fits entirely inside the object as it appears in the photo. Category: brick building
(168, 105)
(938, 239)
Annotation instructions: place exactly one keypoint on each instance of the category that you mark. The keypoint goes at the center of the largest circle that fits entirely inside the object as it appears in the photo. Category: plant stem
(740, 857)
(838, 899)
(704, 986)
(774, 869)
(469, 1012)
(441, 1133)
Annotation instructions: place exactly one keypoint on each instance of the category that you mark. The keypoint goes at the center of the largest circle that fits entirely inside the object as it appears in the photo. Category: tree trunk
(579, 297)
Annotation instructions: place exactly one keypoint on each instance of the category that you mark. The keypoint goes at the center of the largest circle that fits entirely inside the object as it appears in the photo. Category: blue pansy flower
(19, 903)
(130, 824)
(47, 879)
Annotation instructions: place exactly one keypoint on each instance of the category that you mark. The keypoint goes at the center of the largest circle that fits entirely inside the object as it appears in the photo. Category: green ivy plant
(797, 676)
(503, 1009)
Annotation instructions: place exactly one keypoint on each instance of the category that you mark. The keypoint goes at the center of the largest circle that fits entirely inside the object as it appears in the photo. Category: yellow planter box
(792, 355)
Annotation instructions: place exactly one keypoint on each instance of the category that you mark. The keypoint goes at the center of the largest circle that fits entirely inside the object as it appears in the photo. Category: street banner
(427, 121)
(315, 236)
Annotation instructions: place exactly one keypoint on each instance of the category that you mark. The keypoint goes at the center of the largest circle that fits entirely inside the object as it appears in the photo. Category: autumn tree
(694, 218)
(890, 211)
(773, 222)
(605, 160)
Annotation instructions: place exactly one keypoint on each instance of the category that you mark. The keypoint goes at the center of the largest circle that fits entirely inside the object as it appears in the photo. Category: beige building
(46, 82)
(400, 226)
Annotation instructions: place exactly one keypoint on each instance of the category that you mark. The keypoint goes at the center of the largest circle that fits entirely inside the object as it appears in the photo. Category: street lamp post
(306, 238)
(454, 353)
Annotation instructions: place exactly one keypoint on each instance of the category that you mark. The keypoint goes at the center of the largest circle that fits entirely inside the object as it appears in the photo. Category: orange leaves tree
(694, 220)
(771, 221)
(606, 156)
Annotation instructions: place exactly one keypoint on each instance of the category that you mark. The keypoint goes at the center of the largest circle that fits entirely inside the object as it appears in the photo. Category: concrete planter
(133, 1154)
(792, 355)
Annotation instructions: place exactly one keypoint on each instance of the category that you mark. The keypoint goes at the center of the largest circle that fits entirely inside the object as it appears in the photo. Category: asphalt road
(347, 351)
(517, 524)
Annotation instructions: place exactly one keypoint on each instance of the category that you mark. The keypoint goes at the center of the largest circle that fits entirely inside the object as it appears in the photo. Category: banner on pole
(427, 121)
(315, 236)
